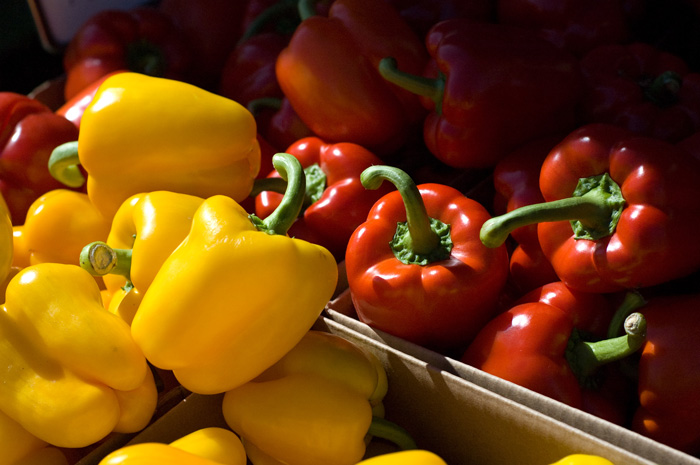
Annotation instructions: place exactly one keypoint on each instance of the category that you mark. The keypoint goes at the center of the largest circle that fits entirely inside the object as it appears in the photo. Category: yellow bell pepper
(314, 406)
(405, 457)
(145, 231)
(71, 372)
(583, 459)
(143, 133)
(20, 447)
(20, 250)
(237, 294)
(206, 446)
(6, 240)
(57, 226)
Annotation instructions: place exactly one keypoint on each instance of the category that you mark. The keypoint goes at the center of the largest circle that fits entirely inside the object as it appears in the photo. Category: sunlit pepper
(20, 447)
(237, 294)
(583, 459)
(320, 397)
(405, 457)
(206, 446)
(6, 240)
(142, 134)
(71, 372)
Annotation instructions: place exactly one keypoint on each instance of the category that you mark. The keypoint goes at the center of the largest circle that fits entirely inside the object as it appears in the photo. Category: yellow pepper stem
(99, 259)
(63, 165)
(390, 431)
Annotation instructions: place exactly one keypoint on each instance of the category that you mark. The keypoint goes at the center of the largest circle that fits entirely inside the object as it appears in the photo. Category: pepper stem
(433, 89)
(390, 431)
(663, 90)
(306, 8)
(315, 185)
(258, 104)
(286, 213)
(633, 300)
(277, 11)
(594, 209)
(99, 259)
(422, 239)
(63, 165)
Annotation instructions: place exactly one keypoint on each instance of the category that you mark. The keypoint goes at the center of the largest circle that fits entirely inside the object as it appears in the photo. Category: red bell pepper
(142, 40)
(329, 74)
(416, 268)
(631, 219)
(491, 88)
(29, 131)
(278, 122)
(643, 89)
(337, 203)
(74, 108)
(669, 373)
(551, 342)
(421, 15)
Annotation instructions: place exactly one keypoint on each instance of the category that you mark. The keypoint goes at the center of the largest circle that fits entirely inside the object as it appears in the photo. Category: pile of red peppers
(512, 183)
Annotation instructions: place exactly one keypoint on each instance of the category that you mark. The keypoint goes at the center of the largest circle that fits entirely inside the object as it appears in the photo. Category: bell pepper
(405, 457)
(72, 373)
(59, 224)
(583, 459)
(74, 108)
(552, 342)
(336, 201)
(421, 15)
(320, 397)
(6, 241)
(29, 131)
(416, 268)
(642, 88)
(20, 447)
(486, 95)
(145, 231)
(669, 373)
(329, 74)
(277, 285)
(143, 40)
(630, 220)
(142, 134)
(205, 446)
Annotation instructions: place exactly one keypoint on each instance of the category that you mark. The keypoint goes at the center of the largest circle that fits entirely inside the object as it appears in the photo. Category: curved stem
(100, 259)
(422, 236)
(434, 89)
(278, 185)
(663, 91)
(286, 213)
(63, 165)
(633, 300)
(262, 103)
(306, 8)
(390, 431)
(271, 13)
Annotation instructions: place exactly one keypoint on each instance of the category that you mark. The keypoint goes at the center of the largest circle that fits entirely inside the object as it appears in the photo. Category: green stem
(100, 259)
(276, 11)
(433, 89)
(63, 165)
(633, 300)
(315, 185)
(594, 209)
(306, 8)
(262, 103)
(585, 357)
(663, 91)
(286, 213)
(390, 431)
(260, 185)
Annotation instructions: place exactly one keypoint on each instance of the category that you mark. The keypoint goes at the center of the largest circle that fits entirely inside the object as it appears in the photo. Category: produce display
(510, 184)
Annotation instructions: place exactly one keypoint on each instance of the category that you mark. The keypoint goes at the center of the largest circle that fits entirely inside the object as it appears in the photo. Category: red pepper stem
(277, 10)
(278, 185)
(262, 103)
(423, 239)
(586, 357)
(663, 91)
(306, 8)
(63, 165)
(633, 300)
(390, 431)
(100, 259)
(286, 213)
(433, 89)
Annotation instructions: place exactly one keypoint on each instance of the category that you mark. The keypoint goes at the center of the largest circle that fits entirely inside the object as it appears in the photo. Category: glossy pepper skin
(142, 40)
(631, 220)
(277, 285)
(6, 241)
(73, 373)
(29, 131)
(643, 89)
(583, 459)
(669, 376)
(142, 134)
(329, 74)
(337, 202)
(321, 396)
(74, 108)
(433, 284)
(541, 343)
(205, 446)
(405, 457)
(485, 95)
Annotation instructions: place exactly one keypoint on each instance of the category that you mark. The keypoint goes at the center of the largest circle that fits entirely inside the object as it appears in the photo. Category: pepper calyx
(610, 196)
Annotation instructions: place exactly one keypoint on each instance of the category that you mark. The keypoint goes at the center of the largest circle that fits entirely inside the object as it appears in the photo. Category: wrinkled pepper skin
(641, 88)
(329, 74)
(341, 202)
(405, 457)
(142, 134)
(669, 374)
(29, 131)
(206, 446)
(7, 249)
(141, 40)
(227, 263)
(72, 372)
(59, 224)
